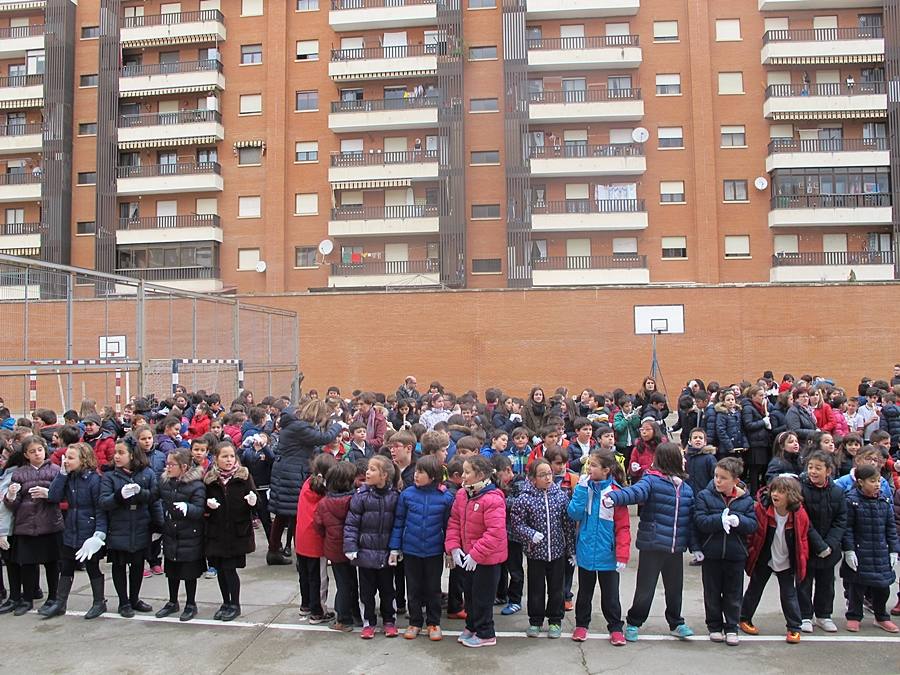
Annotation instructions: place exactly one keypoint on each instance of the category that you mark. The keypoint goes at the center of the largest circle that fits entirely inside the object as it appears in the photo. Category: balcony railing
(367, 4)
(833, 258)
(410, 103)
(823, 34)
(590, 206)
(20, 228)
(607, 150)
(170, 273)
(173, 18)
(874, 199)
(170, 68)
(22, 80)
(180, 169)
(824, 89)
(828, 145)
(168, 118)
(397, 52)
(590, 262)
(168, 222)
(384, 212)
(21, 31)
(378, 158)
(21, 129)
(385, 267)
(27, 178)
(598, 42)
(594, 95)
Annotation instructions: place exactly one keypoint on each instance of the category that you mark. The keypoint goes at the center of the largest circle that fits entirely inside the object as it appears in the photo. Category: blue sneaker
(210, 573)
(682, 632)
(511, 608)
(631, 633)
(533, 631)
(474, 641)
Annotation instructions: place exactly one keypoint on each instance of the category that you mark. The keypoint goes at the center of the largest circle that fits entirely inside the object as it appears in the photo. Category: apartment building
(257, 146)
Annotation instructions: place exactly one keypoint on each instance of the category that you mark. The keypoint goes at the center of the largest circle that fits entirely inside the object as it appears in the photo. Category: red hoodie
(308, 541)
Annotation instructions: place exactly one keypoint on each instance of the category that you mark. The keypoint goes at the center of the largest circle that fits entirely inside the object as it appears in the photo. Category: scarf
(762, 410)
(370, 424)
(475, 488)
(225, 476)
(538, 408)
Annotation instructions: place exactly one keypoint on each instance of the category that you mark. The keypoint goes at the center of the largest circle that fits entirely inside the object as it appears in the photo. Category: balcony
(171, 78)
(584, 53)
(185, 127)
(22, 239)
(789, 153)
(155, 179)
(586, 105)
(384, 115)
(22, 91)
(371, 221)
(569, 9)
(166, 229)
(384, 63)
(618, 159)
(793, 5)
(378, 14)
(383, 166)
(832, 266)
(590, 270)
(17, 41)
(830, 210)
(825, 101)
(589, 215)
(10, 6)
(20, 187)
(19, 138)
(823, 45)
(385, 273)
(194, 278)
(206, 25)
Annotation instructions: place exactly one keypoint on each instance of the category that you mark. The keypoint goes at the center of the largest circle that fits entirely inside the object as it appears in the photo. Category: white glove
(826, 552)
(130, 490)
(767, 422)
(537, 538)
(351, 555)
(343, 425)
(635, 467)
(607, 502)
(38, 492)
(698, 556)
(62, 466)
(894, 557)
(851, 560)
(90, 547)
(535, 440)
(394, 558)
(584, 479)
(181, 506)
(734, 520)
(251, 498)
(212, 503)
(4, 543)
(13, 490)
(619, 566)
(457, 556)
(515, 417)
(469, 564)
(726, 521)
(573, 561)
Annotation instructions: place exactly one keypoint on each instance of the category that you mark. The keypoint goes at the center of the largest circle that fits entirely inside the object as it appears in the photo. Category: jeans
(788, 590)
(545, 591)
(723, 586)
(650, 565)
(609, 598)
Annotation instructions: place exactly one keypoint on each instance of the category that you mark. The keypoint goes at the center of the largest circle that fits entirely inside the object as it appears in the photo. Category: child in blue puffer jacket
(420, 525)
(665, 531)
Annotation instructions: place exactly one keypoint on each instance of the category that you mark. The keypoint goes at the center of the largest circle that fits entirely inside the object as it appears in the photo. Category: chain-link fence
(69, 334)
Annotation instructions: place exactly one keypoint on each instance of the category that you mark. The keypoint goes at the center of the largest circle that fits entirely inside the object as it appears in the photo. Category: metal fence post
(25, 331)
(139, 337)
(194, 328)
(236, 329)
(70, 330)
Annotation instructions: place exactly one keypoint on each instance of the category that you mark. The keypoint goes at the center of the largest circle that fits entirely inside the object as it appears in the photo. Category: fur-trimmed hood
(243, 473)
(192, 474)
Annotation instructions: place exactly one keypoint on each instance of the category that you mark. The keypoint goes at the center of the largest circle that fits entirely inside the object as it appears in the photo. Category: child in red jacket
(200, 422)
(309, 544)
(644, 450)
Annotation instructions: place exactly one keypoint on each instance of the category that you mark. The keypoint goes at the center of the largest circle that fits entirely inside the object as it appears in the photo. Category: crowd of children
(517, 497)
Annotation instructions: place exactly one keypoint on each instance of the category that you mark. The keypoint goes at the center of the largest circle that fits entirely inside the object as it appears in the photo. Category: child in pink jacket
(476, 540)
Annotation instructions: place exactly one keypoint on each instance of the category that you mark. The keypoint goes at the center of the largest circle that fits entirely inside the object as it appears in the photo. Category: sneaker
(617, 639)
(533, 631)
(390, 630)
(474, 641)
(412, 632)
(401, 610)
(324, 617)
(156, 569)
(461, 614)
(749, 628)
(304, 611)
(554, 631)
(717, 636)
(511, 608)
(732, 639)
(827, 625)
(682, 632)
(793, 637)
(435, 634)
(887, 625)
(569, 605)
(579, 634)
(631, 633)
(368, 632)
(853, 625)
(147, 574)
(806, 626)
(257, 524)
(896, 610)
(341, 627)
(465, 635)
(210, 573)
(499, 602)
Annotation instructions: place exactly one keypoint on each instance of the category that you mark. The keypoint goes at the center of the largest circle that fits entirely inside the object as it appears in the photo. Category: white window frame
(252, 7)
(731, 83)
(665, 31)
(674, 242)
(737, 246)
(250, 206)
(728, 30)
(248, 258)
(306, 204)
(250, 104)
(307, 50)
(672, 187)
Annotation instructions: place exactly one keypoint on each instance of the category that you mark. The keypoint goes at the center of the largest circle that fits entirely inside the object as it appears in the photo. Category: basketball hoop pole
(655, 370)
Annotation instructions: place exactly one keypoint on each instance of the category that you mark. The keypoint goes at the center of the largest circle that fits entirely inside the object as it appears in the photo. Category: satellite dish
(640, 135)
(761, 183)
(326, 246)
(261, 266)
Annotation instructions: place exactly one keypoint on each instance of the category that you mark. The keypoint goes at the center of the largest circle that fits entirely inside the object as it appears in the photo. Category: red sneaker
(368, 632)
(579, 634)
(461, 614)
(569, 605)
(617, 638)
(390, 630)
(888, 626)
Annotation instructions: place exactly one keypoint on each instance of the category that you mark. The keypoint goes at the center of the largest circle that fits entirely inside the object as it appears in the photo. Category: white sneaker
(732, 639)
(806, 626)
(717, 636)
(827, 625)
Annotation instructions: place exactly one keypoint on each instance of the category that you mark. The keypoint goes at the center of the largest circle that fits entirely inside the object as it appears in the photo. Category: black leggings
(190, 589)
(91, 566)
(135, 577)
(230, 586)
(279, 525)
(14, 571)
(30, 579)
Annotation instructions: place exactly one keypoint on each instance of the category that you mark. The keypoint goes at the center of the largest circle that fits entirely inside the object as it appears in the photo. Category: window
(733, 136)
(251, 54)
(668, 84)
(90, 80)
(250, 104)
(250, 207)
(307, 5)
(90, 32)
(737, 246)
(482, 53)
(728, 30)
(307, 100)
(478, 105)
(485, 211)
(486, 266)
(485, 157)
(87, 129)
(87, 177)
(731, 83)
(674, 247)
(670, 137)
(671, 191)
(735, 190)
(85, 227)
(307, 50)
(781, 131)
(624, 246)
(665, 31)
(305, 256)
(247, 258)
(249, 156)
(786, 243)
(306, 204)
(251, 7)
(482, 4)
(306, 151)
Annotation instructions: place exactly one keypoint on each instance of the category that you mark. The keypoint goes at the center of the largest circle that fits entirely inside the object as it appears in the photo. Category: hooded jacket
(700, 466)
(759, 436)
(796, 534)
(729, 432)
(329, 519)
(308, 541)
(183, 535)
(34, 517)
(81, 491)
(420, 521)
(872, 534)
(129, 520)
(826, 507)
(603, 534)
(543, 511)
(104, 447)
(229, 528)
(714, 542)
(369, 525)
(477, 525)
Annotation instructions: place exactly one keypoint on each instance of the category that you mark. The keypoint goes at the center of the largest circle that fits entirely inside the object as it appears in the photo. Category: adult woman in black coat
(758, 429)
(799, 417)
